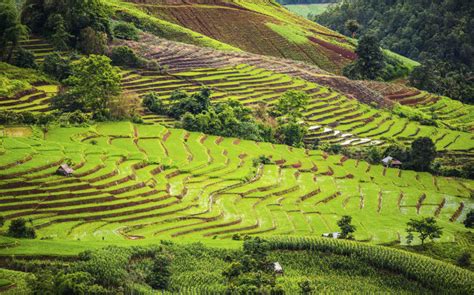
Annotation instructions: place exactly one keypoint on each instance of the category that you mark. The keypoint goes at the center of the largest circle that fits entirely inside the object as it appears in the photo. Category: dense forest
(440, 34)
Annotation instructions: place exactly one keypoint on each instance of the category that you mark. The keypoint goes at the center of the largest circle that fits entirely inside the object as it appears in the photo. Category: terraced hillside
(452, 112)
(150, 182)
(340, 110)
(262, 27)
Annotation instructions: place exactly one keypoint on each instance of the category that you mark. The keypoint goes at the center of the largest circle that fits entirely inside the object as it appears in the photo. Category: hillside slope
(150, 182)
(262, 27)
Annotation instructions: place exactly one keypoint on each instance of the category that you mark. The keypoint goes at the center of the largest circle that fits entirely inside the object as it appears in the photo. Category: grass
(305, 10)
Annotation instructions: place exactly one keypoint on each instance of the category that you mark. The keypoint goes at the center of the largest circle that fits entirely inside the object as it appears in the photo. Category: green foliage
(58, 66)
(19, 229)
(370, 62)
(262, 159)
(24, 59)
(352, 26)
(426, 228)
(154, 104)
(469, 221)
(91, 86)
(305, 287)
(83, 21)
(436, 77)
(292, 104)
(11, 117)
(2, 220)
(92, 42)
(464, 260)
(423, 153)
(414, 115)
(291, 133)
(126, 31)
(346, 227)
(125, 56)
(437, 34)
(60, 38)
(11, 29)
(440, 276)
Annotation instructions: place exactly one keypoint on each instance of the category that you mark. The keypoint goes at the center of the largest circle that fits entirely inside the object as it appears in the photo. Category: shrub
(57, 66)
(18, 229)
(153, 103)
(465, 259)
(125, 56)
(126, 31)
(24, 59)
(92, 42)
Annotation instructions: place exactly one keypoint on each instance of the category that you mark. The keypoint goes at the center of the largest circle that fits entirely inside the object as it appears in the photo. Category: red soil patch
(339, 50)
(166, 136)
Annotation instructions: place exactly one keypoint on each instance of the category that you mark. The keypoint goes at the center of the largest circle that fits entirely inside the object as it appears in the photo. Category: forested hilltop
(437, 33)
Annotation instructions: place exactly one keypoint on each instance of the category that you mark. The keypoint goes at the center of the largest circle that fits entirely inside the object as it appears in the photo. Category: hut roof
(277, 267)
(66, 168)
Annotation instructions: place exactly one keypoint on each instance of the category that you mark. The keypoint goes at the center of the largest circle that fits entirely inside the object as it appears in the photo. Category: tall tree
(370, 61)
(352, 26)
(346, 226)
(11, 29)
(423, 153)
(92, 84)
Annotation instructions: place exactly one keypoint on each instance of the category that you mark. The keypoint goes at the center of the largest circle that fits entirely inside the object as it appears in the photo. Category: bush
(465, 259)
(57, 66)
(92, 42)
(18, 229)
(126, 31)
(153, 103)
(75, 118)
(24, 59)
(125, 56)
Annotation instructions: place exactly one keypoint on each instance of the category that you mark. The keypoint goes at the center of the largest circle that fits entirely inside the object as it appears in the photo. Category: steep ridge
(262, 27)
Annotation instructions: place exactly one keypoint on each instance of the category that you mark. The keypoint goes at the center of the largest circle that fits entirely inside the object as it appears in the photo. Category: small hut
(65, 170)
(277, 268)
(391, 162)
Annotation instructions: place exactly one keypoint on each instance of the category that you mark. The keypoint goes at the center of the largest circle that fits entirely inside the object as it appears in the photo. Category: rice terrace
(235, 147)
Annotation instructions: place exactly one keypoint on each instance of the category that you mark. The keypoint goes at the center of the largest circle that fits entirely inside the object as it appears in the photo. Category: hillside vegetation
(211, 147)
(439, 34)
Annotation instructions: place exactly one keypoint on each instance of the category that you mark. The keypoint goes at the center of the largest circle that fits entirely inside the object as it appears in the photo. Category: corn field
(432, 273)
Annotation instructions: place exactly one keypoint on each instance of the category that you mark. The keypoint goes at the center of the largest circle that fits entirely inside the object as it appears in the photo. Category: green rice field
(143, 183)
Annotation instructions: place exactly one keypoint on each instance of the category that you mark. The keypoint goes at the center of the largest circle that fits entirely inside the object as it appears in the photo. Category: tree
(469, 221)
(125, 56)
(24, 59)
(60, 37)
(292, 104)
(18, 229)
(153, 103)
(423, 153)
(426, 229)
(57, 66)
(11, 29)
(126, 31)
(94, 81)
(370, 62)
(291, 133)
(352, 26)
(345, 224)
(2, 220)
(92, 42)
